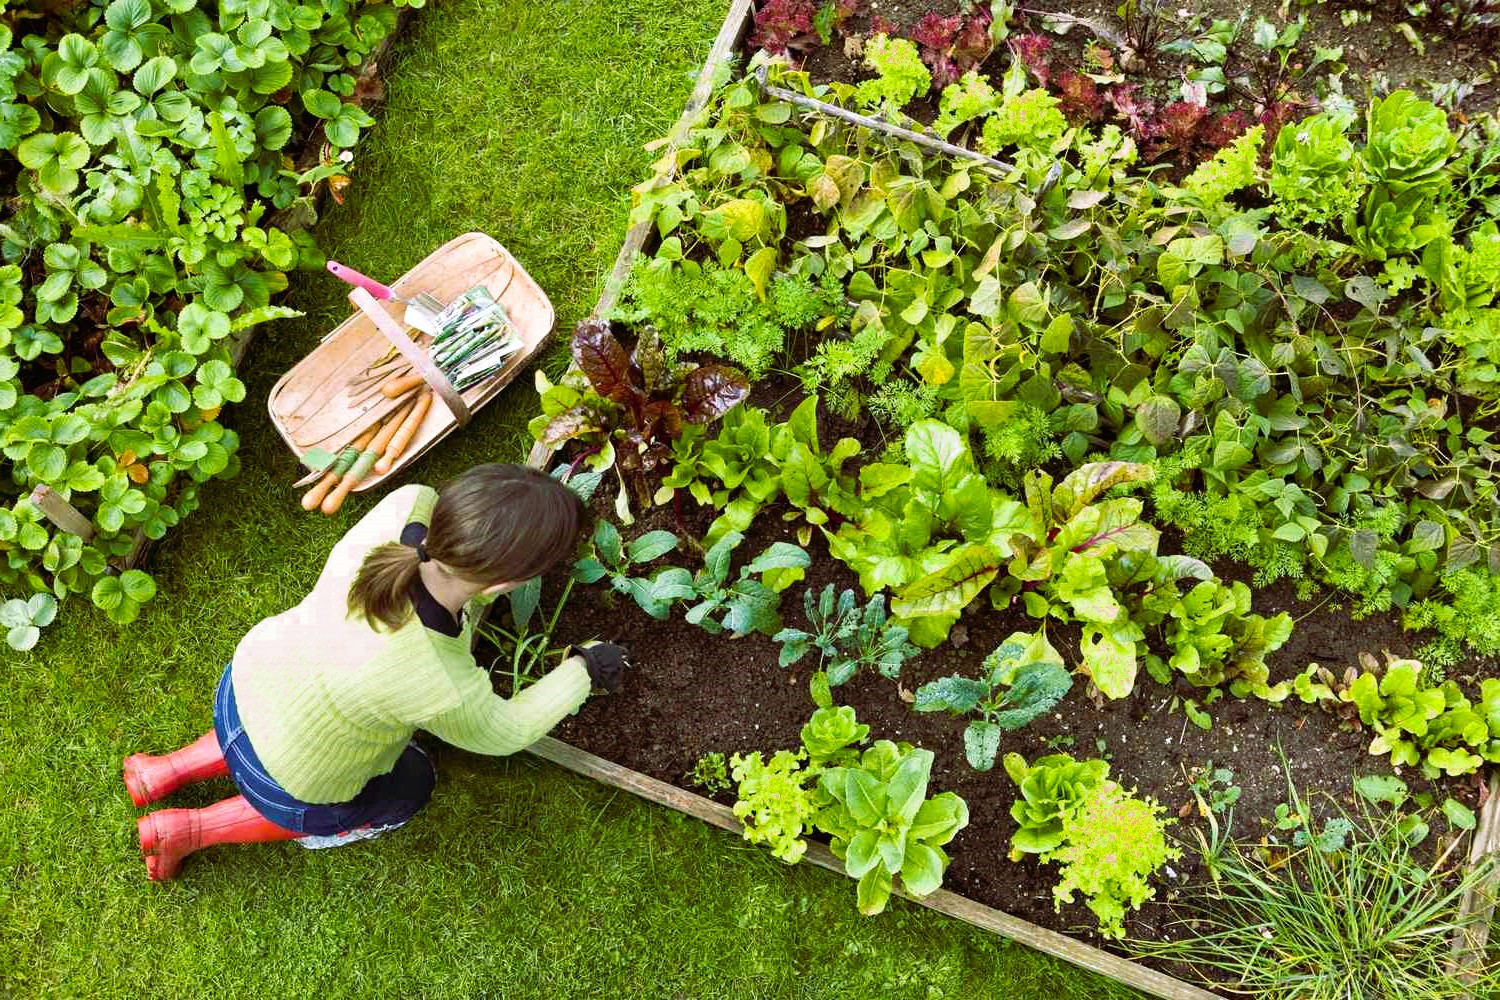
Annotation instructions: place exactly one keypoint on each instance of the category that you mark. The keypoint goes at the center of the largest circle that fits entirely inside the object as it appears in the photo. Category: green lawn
(526, 120)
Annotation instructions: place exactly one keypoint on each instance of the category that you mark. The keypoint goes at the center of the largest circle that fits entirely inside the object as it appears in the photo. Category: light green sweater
(328, 702)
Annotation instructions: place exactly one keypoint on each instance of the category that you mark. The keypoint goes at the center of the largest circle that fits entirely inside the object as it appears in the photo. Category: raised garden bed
(697, 694)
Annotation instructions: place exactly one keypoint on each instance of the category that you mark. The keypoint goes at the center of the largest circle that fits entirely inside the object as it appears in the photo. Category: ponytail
(379, 592)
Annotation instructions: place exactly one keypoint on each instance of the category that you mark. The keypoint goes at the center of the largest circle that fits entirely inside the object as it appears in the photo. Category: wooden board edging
(736, 24)
(944, 901)
(1477, 911)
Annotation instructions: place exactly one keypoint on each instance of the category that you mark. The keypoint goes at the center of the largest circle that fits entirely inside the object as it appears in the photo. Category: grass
(525, 120)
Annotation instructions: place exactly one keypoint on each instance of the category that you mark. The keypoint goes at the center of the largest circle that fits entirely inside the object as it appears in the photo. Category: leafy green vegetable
(884, 827)
(902, 74)
(774, 803)
(614, 559)
(931, 529)
(746, 605)
(846, 636)
(1317, 176)
(1023, 678)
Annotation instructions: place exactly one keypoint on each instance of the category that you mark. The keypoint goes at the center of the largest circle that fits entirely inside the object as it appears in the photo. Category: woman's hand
(605, 663)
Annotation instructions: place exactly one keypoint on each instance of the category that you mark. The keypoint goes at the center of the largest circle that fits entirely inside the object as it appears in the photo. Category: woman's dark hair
(492, 524)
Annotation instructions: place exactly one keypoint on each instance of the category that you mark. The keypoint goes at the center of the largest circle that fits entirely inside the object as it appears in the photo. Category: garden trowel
(421, 310)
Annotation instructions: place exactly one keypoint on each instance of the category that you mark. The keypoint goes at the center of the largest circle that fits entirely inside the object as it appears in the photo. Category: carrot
(347, 457)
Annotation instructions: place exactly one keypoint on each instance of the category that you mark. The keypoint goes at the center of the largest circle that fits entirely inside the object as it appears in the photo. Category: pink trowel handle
(344, 272)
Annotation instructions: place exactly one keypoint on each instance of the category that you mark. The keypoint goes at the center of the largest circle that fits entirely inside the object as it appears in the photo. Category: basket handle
(366, 304)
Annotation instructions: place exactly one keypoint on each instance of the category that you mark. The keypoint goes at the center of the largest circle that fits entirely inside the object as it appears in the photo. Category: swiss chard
(931, 529)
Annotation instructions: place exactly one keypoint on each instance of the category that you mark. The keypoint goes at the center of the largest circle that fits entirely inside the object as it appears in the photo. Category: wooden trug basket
(305, 404)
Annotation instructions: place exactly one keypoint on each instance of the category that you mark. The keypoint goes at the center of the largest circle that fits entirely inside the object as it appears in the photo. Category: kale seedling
(614, 559)
(1214, 789)
(1023, 678)
(847, 637)
(746, 605)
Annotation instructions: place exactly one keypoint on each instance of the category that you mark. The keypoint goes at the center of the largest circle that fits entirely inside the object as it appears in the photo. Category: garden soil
(691, 694)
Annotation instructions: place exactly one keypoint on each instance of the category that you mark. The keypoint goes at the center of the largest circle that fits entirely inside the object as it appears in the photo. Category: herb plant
(1278, 923)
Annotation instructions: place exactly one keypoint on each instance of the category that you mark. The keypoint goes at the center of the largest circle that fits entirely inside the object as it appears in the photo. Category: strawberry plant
(151, 144)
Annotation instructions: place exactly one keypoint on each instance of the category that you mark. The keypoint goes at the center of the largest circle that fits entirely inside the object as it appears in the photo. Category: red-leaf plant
(784, 25)
(1188, 131)
(953, 45)
(645, 400)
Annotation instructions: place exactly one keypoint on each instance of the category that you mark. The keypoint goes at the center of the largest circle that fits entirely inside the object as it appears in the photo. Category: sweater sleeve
(487, 723)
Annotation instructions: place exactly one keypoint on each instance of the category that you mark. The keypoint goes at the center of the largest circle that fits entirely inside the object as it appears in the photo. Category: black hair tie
(422, 555)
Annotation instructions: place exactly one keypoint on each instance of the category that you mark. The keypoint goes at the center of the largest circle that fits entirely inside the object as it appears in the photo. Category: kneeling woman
(313, 719)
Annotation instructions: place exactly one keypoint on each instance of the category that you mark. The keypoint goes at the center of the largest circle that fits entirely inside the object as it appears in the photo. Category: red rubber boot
(149, 778)
(170, 835)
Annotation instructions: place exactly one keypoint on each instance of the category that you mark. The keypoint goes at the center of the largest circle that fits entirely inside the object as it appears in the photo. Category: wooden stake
(61, 513)
(1476, 911)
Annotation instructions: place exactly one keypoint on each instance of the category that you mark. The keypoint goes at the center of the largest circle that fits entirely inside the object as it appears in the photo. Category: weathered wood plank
(61, 513)
(987, 918)
(1477, 911)
(736, 24)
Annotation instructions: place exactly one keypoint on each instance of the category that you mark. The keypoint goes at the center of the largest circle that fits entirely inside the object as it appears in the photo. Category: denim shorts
(387, 800)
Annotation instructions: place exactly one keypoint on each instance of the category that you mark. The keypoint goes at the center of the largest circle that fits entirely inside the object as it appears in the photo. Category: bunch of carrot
(377, 449)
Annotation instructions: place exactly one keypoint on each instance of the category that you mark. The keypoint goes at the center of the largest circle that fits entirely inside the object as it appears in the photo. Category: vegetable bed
(1114, 519)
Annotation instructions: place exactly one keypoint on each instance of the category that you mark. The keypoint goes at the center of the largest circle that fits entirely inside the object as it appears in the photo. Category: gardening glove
(605, 663)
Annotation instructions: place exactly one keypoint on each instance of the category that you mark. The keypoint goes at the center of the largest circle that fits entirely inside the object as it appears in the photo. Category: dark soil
(692, 693)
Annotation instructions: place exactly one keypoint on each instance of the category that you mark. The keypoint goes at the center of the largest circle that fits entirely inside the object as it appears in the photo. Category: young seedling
(847, 636)
(614, 559)
(1213, 789)
(710, 773)
(1022, 679)
(744, 606)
